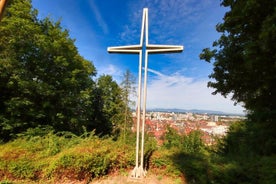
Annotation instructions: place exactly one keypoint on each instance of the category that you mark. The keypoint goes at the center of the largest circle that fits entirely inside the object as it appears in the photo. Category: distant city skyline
(175, 80)
(194, 111)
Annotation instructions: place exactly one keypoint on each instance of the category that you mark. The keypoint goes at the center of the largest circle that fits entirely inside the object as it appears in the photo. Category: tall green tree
(111, 104)
(245, 67)
(43, 79)
(245, 56)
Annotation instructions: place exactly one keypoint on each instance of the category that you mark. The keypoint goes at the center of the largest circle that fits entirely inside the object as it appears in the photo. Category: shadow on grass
(147, 157)
(197, 168)
(194, 167)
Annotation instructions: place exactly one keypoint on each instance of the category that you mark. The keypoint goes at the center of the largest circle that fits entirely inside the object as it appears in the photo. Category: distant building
(215, 118)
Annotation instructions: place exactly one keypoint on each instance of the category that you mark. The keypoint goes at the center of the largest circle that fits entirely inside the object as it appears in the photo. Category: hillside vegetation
(55, 158)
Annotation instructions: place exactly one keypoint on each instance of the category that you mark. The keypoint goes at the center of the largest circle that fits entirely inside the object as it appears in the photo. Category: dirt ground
(149, 179)
(115, 178)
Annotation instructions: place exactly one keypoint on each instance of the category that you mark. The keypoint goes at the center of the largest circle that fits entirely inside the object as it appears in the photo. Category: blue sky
(174, 80)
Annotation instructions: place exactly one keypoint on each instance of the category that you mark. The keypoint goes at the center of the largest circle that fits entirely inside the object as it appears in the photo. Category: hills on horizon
(196, 111)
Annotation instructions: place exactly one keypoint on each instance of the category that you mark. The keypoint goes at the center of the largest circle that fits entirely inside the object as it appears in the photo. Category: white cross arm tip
(125, 49)
(164, 48)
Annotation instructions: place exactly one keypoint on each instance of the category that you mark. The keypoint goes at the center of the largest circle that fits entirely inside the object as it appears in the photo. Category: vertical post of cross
(2, 6)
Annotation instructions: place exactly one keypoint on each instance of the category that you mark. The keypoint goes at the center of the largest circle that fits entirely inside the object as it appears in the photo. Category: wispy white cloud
(99, 17)
(178, 91)
(166, 81)
(112, 70)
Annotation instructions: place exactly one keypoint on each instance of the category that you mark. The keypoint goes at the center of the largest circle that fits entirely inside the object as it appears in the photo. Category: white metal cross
(138, 171)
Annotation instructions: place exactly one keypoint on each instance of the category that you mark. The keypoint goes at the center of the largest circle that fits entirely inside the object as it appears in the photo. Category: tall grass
(54, 156)
(49, 156)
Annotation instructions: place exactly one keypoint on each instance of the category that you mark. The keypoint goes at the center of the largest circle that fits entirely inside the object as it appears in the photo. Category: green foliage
(184, 155)
(244, 56)
(53, 156)
(22, 169)
(172, 138)
(196, 167)
(233, 160)
(94, 163)
(246, 135)
(249, 170)
(244, 65)
(245, 61)
(6, 182)
(191, 143)
(162, 163)
(110, 104)
(45, 82)
(241, 157)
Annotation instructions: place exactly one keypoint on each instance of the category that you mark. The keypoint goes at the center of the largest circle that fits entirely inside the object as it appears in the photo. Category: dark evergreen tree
(128, 91)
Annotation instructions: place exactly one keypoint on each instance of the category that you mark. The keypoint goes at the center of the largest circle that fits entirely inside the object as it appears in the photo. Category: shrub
(192, 143)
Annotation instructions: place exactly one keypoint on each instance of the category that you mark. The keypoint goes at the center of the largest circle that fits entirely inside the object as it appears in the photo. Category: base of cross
(138, 173)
